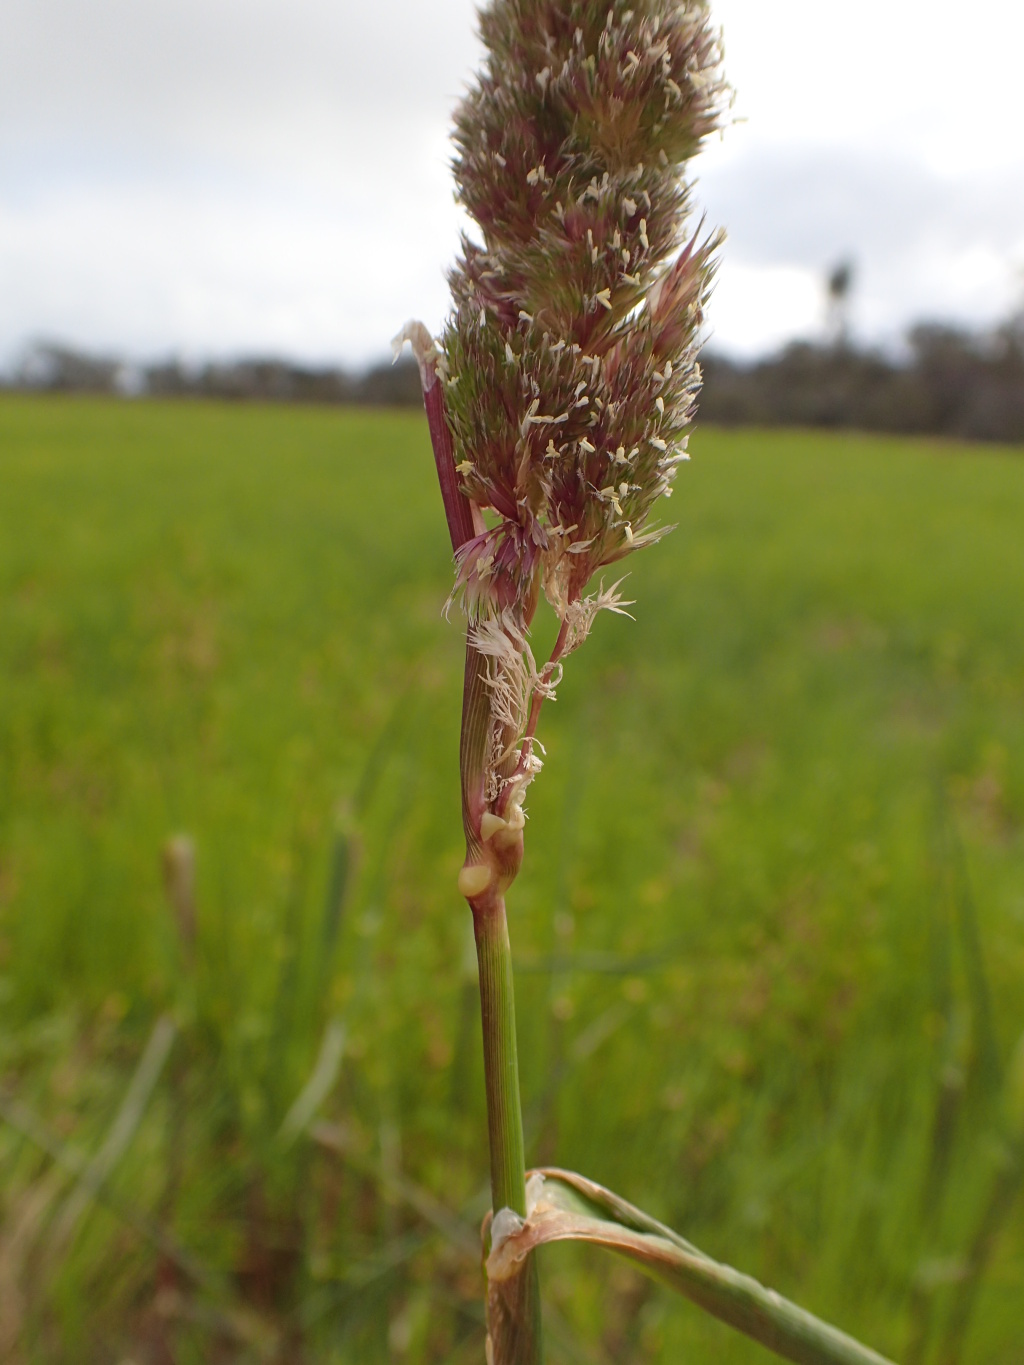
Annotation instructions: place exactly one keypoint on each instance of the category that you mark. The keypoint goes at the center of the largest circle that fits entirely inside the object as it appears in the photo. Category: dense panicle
(571, 352)
(569, 361)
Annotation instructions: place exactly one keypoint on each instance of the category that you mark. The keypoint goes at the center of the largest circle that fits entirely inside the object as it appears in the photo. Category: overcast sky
(216, 177)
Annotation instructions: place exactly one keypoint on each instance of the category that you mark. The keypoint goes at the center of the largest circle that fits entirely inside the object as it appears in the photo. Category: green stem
(520, 1334)
(501, 1064)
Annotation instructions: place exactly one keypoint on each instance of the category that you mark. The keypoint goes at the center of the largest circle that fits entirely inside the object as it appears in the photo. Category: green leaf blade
(568, 1207)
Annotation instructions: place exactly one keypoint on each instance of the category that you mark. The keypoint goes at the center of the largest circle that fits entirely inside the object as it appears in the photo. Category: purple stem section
(457, 510)
(458, 513)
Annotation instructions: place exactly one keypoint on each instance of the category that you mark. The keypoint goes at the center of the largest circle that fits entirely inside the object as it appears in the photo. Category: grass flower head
(568, 368)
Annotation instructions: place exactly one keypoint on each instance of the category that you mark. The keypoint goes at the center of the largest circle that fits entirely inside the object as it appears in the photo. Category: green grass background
(769, 932)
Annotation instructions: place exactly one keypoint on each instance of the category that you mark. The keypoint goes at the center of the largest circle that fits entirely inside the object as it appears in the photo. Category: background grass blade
(122, 1130)
(318, 1087)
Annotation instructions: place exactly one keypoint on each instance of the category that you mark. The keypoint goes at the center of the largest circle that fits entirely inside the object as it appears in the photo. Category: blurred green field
(769, 933)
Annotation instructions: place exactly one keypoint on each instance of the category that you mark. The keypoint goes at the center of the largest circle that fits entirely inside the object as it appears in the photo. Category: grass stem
(501, 1064)
(521, 1345)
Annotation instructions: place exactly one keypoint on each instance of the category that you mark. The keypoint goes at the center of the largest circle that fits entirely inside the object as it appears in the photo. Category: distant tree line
(50, 368)
(951, 382)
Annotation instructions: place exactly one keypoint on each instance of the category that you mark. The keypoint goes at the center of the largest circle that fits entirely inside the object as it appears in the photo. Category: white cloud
(756, 308)
(150, 266)
(938, 83)
(303, 78)
(923, 246)
(225, 177)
